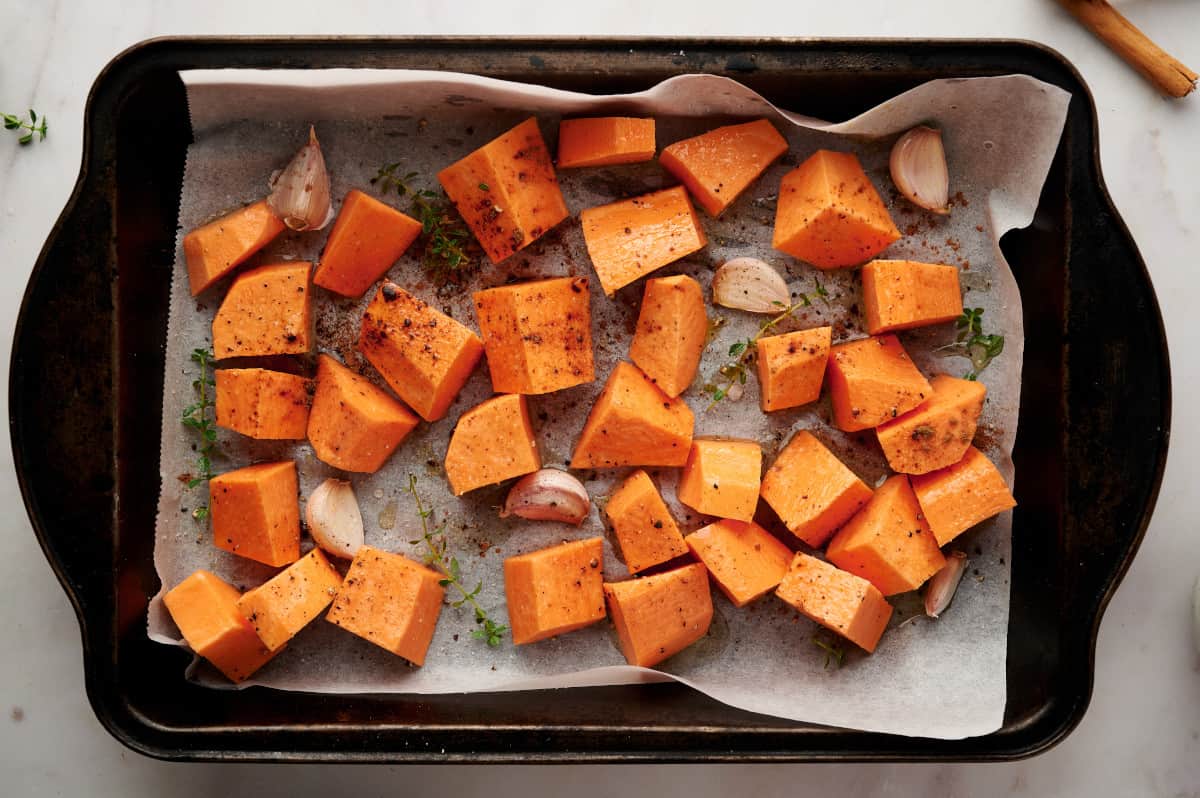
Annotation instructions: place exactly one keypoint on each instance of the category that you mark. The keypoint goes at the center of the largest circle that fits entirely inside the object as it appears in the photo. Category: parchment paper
(943, 678)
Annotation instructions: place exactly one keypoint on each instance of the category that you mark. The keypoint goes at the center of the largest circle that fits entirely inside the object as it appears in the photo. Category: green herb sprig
(436, 545)
(835, 652)
(14, 122)
(196, 416)
(742, 352)
(972, 343)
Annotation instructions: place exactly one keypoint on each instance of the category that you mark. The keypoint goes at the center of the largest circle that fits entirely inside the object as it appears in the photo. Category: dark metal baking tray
(86, 382)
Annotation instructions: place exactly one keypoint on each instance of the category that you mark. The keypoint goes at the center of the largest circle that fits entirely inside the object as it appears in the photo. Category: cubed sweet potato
(722, 478)
(204, 607)
(556, 590)
(745, 560)
(506, 191)
(354, 424)
(938, 432)
(288, 601)
(841, 602)
(268, 311)
(263, 404)
(958, 497)
(791, 367)
(902, 294)
(367, 238)
(219, 247)
(719, 165)
(658, 616)
(537, 335)
(634, 423)
(873, 380)
(645, 530)
(672, 329)
(492, 442)
(425, 356)
(604, 141)
(256, 512)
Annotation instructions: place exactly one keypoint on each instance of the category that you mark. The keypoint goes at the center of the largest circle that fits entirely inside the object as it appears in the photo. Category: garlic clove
(942, 585)
(300, 193)
(918, 167)
(749, 284)
(548, 495)
(334, 520)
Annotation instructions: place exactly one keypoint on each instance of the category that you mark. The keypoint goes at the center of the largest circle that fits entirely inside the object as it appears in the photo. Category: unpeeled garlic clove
(300, 193)
(749, 284)
(548, 495)
(918, 167)
(334, 520)
(940, 590)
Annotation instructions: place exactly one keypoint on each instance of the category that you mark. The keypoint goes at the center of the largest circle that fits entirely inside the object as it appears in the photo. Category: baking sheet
(943, 678)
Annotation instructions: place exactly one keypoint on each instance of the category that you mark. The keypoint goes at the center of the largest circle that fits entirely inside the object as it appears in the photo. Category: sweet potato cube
(288, 601)
(873, 380)
(256, 512)
(811, 490)
(745, 560)
(902, 294)
(958, 497)
(841, 602)
(367, 238)
(204, 608)
(263, 404)
(672, 329)
(354, 425)
(658, 616)
(604, 141)
(631, 238)
(938, 432)
(425, 356)
(217, 248)
(722, 478)
(554, 591)
(492, 442)
(537, 335)
(268, 311)
(791, 367)
(888, 542)
(506, 191)
(719, 165)
(634, 423)
(830, 215)
(391, 601)
(645, 530)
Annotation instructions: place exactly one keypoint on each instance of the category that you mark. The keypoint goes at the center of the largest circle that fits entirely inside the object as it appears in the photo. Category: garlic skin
(749, 284)
(918, 167)
(548, 495)
(300, 193)
(334, 520)
(942, 585)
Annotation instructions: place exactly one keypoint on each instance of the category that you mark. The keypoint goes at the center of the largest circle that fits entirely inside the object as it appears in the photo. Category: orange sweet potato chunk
(902, 294)
(873, 380)
(938, 432)
(830, 215)
(268, 311)
(672, 329)
(256, 512)
(745, 560)
(604, 141)
(391, 601)
(958, 497)
(645, 530)
(263, 404)
(811, 490)
(204, 607)
(631, 238)
(354, 425)
(425, 356)
(492, 442)
(288, 601)
(719, 165)
(506, 191)
(556, 590)
(537, 335)
(367, 238)
(888, 542)
(217, 248)
(791, 367)
(634, 423)
(658, 616)
(722, 478)
(841, 602)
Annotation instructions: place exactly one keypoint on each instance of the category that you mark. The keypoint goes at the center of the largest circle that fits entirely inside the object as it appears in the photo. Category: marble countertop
(1141, 735)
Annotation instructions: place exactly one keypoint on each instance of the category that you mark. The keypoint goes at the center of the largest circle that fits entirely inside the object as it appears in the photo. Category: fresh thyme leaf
(14, 122)
(972, 343)
(737, 349)
(821, 292)
(196, 416)
(735, 371)
(834, 651)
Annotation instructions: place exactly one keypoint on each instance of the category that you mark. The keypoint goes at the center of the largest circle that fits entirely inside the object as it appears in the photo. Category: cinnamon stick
(1172, 77)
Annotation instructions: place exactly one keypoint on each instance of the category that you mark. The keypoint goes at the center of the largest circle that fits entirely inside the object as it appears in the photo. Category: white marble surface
(1141, 735)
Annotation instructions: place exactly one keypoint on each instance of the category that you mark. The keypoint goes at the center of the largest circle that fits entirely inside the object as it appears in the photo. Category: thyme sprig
(196, 416)
(835, 652)
(435, 555)
(14, 122)
(742, 353)
(972, 343)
